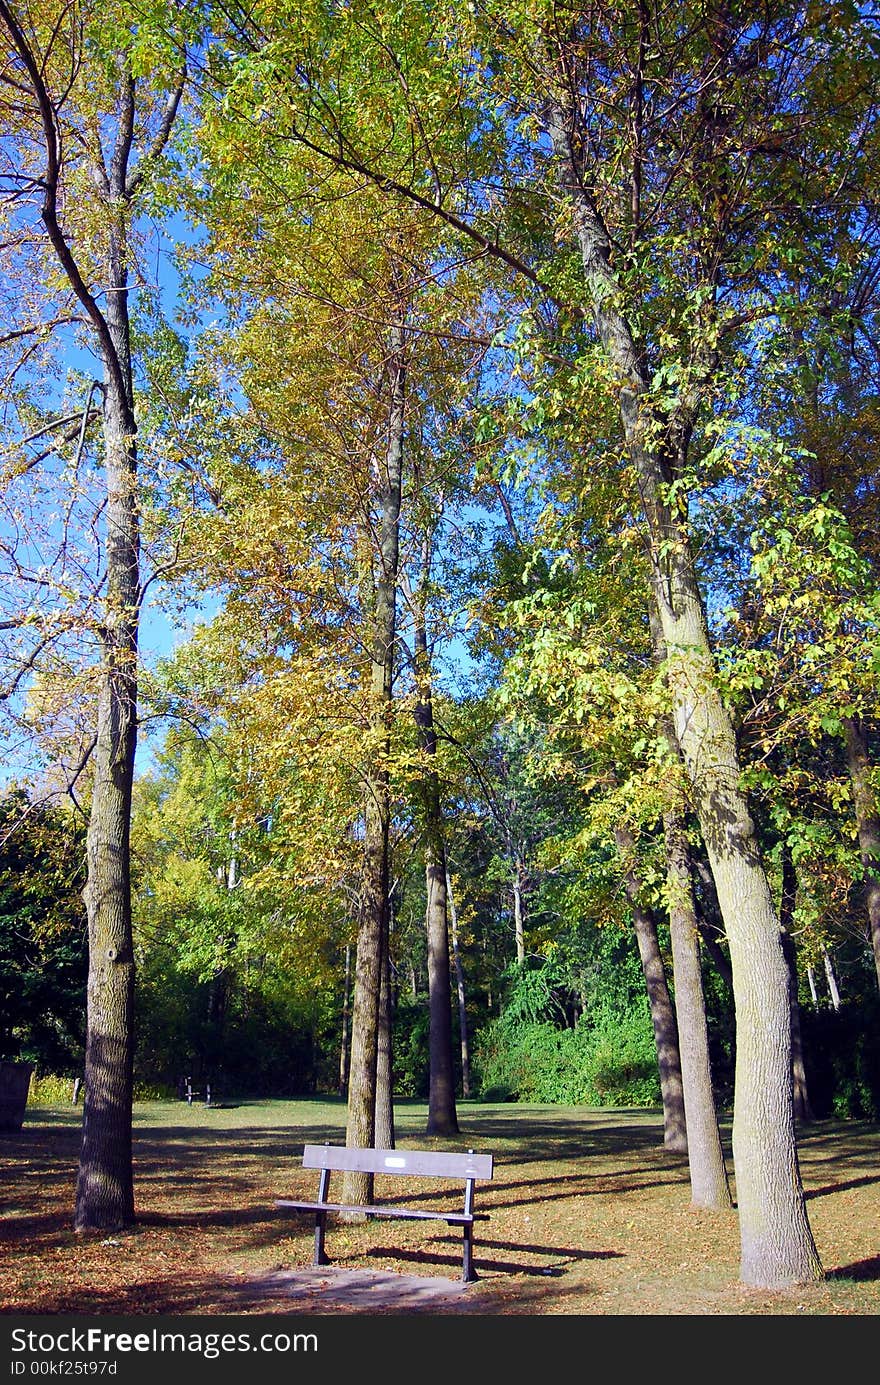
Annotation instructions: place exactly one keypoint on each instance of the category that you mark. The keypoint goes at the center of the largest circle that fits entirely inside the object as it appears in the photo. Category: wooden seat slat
(419, 1162)
(380, 1210)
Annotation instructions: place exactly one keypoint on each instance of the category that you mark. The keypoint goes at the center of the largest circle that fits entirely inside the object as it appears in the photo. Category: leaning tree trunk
(776, 1243)
(867, 824)
(662, 1013)
(830, 977)
(709, 1184)
(357, 1188)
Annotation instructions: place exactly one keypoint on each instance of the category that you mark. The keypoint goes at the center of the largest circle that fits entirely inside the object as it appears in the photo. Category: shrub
(48, 1089)
(613, 1063)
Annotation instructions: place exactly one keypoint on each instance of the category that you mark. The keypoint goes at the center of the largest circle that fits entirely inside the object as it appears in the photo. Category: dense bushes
(613, 1063)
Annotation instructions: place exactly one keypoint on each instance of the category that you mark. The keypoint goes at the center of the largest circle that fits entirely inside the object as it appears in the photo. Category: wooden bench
(406, 1163)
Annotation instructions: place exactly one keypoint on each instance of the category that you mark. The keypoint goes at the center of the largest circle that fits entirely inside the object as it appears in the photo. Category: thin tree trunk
(442, 1115)
(709, 1183)
(357, 1188)
(811, 981)
(343, 1044)
(867, 824)
(519, 929)
(830, 977)
(776, 1242)
(802, 1109)
(459, 985)
(715, 951)
(662, 1013)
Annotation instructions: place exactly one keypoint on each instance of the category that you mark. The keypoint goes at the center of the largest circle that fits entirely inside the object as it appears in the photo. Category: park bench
(405, 1163)
(189, 1093)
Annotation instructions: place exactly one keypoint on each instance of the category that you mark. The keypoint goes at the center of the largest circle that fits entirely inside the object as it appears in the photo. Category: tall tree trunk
(104, 1196)
(662, 1013)
(373, 923)
(709, 1184)
(776, 1242)
(442, 1115)
(802, 1109)
(459, 985)
(868, 825)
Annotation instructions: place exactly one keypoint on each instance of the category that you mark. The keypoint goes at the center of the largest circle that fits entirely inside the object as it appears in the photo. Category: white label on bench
(395, 1163)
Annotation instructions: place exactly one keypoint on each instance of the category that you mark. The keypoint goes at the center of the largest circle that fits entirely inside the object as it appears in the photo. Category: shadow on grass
(453, 1262)
(862, 1270)
(843, 1186)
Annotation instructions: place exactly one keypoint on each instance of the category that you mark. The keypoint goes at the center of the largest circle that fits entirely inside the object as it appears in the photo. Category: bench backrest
(398, 1161)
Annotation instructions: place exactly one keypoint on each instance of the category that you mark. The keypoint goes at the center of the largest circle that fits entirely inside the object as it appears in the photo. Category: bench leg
(320, 1257)
(468, 1273)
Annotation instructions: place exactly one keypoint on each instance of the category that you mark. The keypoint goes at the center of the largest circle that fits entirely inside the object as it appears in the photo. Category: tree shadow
(842, 1187)
(862, 1270)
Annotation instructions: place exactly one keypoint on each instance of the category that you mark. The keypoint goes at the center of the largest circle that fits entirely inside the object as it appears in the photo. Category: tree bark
(868, 825)
(373, 922)
(709, 1183)
(662, 1013)
(442, 1115)
(776, 1242)
(384, 1133)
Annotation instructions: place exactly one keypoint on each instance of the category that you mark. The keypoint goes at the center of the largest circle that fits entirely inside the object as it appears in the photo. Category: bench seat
(404, 1163)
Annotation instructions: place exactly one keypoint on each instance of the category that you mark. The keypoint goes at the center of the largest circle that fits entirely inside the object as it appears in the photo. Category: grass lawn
(588, 1214)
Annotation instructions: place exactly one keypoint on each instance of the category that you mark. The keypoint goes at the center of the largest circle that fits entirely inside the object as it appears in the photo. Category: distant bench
(406, 1163)
(189, 1093)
